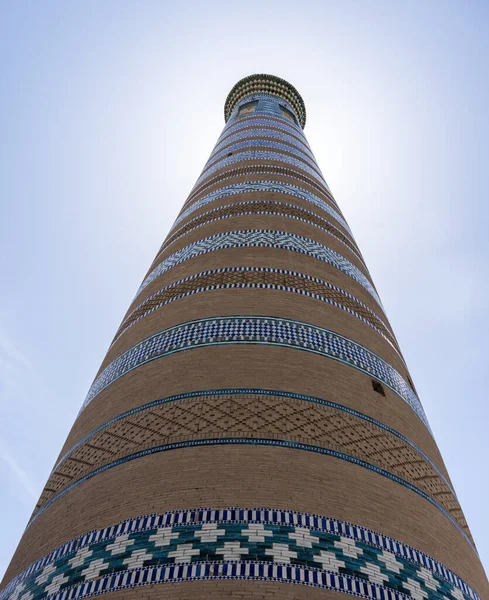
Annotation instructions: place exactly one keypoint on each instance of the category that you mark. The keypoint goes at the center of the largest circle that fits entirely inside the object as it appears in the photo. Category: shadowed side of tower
(253, 431)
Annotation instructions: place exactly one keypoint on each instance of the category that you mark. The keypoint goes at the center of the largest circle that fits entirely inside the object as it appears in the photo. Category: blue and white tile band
(268, 331)
(257, 155)
(260, 544)
(262, 238)
(263, 187)
(267, 286)
(262, 143)
(268, 118)
(277, 212)
(261, 121)
(263, 134)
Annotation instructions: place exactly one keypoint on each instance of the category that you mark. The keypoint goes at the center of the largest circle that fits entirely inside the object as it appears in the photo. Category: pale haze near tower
(109, 111)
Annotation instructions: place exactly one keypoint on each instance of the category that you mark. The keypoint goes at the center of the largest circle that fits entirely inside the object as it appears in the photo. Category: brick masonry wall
(360, 456)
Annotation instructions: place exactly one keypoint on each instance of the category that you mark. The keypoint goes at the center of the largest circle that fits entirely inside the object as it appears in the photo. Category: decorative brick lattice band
(257, 169)
(267, 331)
(238, 543)
(265, 187)
(263, 207)
(262, 238)
(260, 415)
(259, 278)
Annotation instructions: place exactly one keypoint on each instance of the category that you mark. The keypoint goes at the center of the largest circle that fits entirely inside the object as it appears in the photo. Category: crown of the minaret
(266, 84)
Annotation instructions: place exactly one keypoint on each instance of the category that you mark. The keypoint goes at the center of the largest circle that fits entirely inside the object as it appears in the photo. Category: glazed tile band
(255, 441)
(263, 238)
(265, 114)
(346, 413)
(262, 207)
(238, 543)
(253, 120)
(263, 186)
(257, 155)
(282, 416)
(264, 278)
(261, 125)
(257, 330)
(263, 134)
(267, 170)
(262, 143)
(256, 136)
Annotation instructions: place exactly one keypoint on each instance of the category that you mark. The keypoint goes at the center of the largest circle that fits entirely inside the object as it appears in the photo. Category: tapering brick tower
(253, 425)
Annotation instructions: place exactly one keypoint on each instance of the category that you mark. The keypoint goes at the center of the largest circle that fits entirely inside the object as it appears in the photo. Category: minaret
(253, 431)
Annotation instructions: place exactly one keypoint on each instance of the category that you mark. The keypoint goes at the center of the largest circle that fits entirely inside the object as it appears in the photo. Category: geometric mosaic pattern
(268, 331)
(256, 170)
(259, 278)
(238, 543)
(250, 122)
(281, 398)
(265, 144)
(263, 238)
(265, 187)
(259, 155)
(263, 134)
(263, 207)
(257, 414)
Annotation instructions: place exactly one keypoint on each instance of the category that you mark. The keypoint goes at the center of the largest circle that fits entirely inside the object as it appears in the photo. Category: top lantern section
(253, 87)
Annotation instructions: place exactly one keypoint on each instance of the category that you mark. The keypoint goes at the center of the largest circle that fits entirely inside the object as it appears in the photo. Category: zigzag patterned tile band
(254, 207)
(238, 543)
(256, 330)
(262, 238)
(264, 187)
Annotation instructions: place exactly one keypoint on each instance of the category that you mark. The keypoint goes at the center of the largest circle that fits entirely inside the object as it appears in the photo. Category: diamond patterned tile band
(263, 238)
(256, 330)
(265, 187)
(258, 155)
(238, 543)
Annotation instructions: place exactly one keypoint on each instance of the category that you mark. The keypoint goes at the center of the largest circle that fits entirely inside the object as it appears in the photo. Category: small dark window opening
(230, 154)
(287, 114)
(247, 108)
(378, 387)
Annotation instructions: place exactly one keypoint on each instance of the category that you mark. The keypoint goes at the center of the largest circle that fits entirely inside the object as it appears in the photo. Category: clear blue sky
(108, 112)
